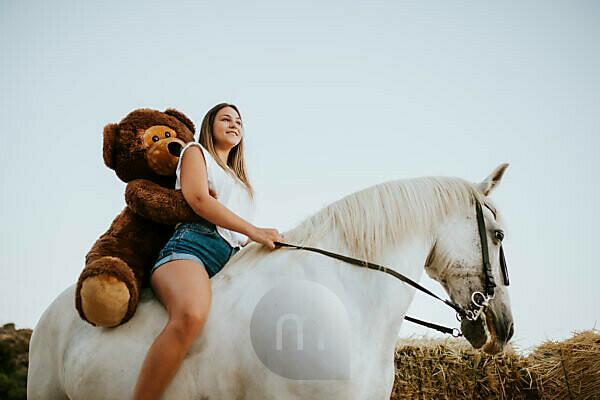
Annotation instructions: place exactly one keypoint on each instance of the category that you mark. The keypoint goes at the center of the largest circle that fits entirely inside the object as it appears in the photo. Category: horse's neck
(385, 299)
(375, 301)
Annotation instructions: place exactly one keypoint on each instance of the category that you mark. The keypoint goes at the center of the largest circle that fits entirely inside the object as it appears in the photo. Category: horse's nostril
(174, 148)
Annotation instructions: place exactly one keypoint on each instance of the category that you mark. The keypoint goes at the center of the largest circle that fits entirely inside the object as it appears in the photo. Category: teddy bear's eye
(167, 134)
(155, 138)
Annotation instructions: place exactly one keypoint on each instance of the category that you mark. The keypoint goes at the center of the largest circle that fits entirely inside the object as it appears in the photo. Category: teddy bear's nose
(174, 148)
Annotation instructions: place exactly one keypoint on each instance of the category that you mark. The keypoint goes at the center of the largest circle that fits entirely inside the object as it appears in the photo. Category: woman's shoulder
(207, 156)
(193, 144)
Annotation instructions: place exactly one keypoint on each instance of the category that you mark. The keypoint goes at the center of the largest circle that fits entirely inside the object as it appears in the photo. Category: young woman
(197, 251)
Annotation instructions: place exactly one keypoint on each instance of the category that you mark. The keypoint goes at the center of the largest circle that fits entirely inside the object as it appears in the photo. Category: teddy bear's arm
(159, 204)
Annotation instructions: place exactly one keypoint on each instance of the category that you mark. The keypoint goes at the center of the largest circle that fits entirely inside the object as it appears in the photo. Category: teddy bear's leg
(107, 292)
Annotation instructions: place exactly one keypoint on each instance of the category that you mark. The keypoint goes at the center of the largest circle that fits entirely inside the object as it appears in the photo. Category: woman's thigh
(183, 286)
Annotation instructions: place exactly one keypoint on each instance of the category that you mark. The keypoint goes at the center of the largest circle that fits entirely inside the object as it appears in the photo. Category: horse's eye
(167, 134)
(499, 235)
(155, 138)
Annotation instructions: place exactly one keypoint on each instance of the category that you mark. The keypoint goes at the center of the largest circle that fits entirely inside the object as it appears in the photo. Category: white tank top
(230, 192)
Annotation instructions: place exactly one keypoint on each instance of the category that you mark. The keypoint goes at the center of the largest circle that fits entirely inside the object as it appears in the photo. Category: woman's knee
(188, 322)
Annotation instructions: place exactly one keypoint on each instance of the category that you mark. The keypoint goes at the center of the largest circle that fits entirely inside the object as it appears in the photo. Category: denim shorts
(199, 242)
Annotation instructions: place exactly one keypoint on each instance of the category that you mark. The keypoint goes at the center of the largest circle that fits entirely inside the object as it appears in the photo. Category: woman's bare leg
(183, 287)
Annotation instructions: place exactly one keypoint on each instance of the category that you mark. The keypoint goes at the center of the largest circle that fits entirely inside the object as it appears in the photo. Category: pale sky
(336, 96)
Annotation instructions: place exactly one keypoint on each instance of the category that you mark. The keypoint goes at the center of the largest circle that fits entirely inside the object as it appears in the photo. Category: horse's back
(47, 344)
(103, 363)
(70, 358)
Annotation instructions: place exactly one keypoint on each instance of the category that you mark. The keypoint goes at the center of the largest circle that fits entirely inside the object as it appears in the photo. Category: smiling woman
(198, 251)
(226, 127)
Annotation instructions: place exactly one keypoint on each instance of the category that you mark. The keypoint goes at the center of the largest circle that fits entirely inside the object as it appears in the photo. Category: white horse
(294, 324)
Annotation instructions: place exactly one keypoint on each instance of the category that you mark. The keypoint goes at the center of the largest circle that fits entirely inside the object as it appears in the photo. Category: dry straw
(569, 369)
(451, 369)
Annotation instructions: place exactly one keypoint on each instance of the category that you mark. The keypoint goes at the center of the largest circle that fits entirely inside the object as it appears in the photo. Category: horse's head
(456, 261)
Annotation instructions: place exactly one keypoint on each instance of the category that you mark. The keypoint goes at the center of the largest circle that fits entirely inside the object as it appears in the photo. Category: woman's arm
(194, 186)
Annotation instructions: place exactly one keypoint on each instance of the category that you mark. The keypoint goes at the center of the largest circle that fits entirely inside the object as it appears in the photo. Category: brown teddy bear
(143, 149)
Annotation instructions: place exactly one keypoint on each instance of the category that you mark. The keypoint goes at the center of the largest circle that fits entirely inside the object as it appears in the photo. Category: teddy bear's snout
(175, 148)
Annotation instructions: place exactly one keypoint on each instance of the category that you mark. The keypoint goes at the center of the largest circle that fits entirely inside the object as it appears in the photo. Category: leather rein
(479, 300)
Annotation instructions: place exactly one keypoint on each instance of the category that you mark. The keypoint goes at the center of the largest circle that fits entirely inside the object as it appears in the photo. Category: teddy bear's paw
(104, 299)
(107, 292)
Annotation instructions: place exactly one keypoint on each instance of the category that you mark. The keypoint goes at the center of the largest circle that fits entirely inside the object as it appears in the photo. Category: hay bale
(568, 369)
(451, 369)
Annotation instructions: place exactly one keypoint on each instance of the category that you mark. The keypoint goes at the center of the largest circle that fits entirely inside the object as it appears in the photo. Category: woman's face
(227, 128)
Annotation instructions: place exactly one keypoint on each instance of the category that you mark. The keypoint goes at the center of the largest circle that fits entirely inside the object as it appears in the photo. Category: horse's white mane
(380, 215)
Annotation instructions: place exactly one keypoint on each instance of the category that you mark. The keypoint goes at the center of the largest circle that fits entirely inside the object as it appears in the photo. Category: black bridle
(479, 300)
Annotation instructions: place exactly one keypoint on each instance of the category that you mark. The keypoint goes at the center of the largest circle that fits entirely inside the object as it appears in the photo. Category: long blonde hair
(235, 161)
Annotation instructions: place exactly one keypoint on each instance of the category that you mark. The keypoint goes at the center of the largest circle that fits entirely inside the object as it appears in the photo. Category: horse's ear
(492, 180)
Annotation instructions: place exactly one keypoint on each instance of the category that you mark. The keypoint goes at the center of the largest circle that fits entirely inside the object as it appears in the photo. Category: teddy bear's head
(146, 144)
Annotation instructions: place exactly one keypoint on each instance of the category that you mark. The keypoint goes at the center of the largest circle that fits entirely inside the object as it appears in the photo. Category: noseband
(479, 300)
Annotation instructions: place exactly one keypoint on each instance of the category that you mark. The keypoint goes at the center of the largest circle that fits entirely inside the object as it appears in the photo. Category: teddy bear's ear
(108, 149)
(181, 117)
